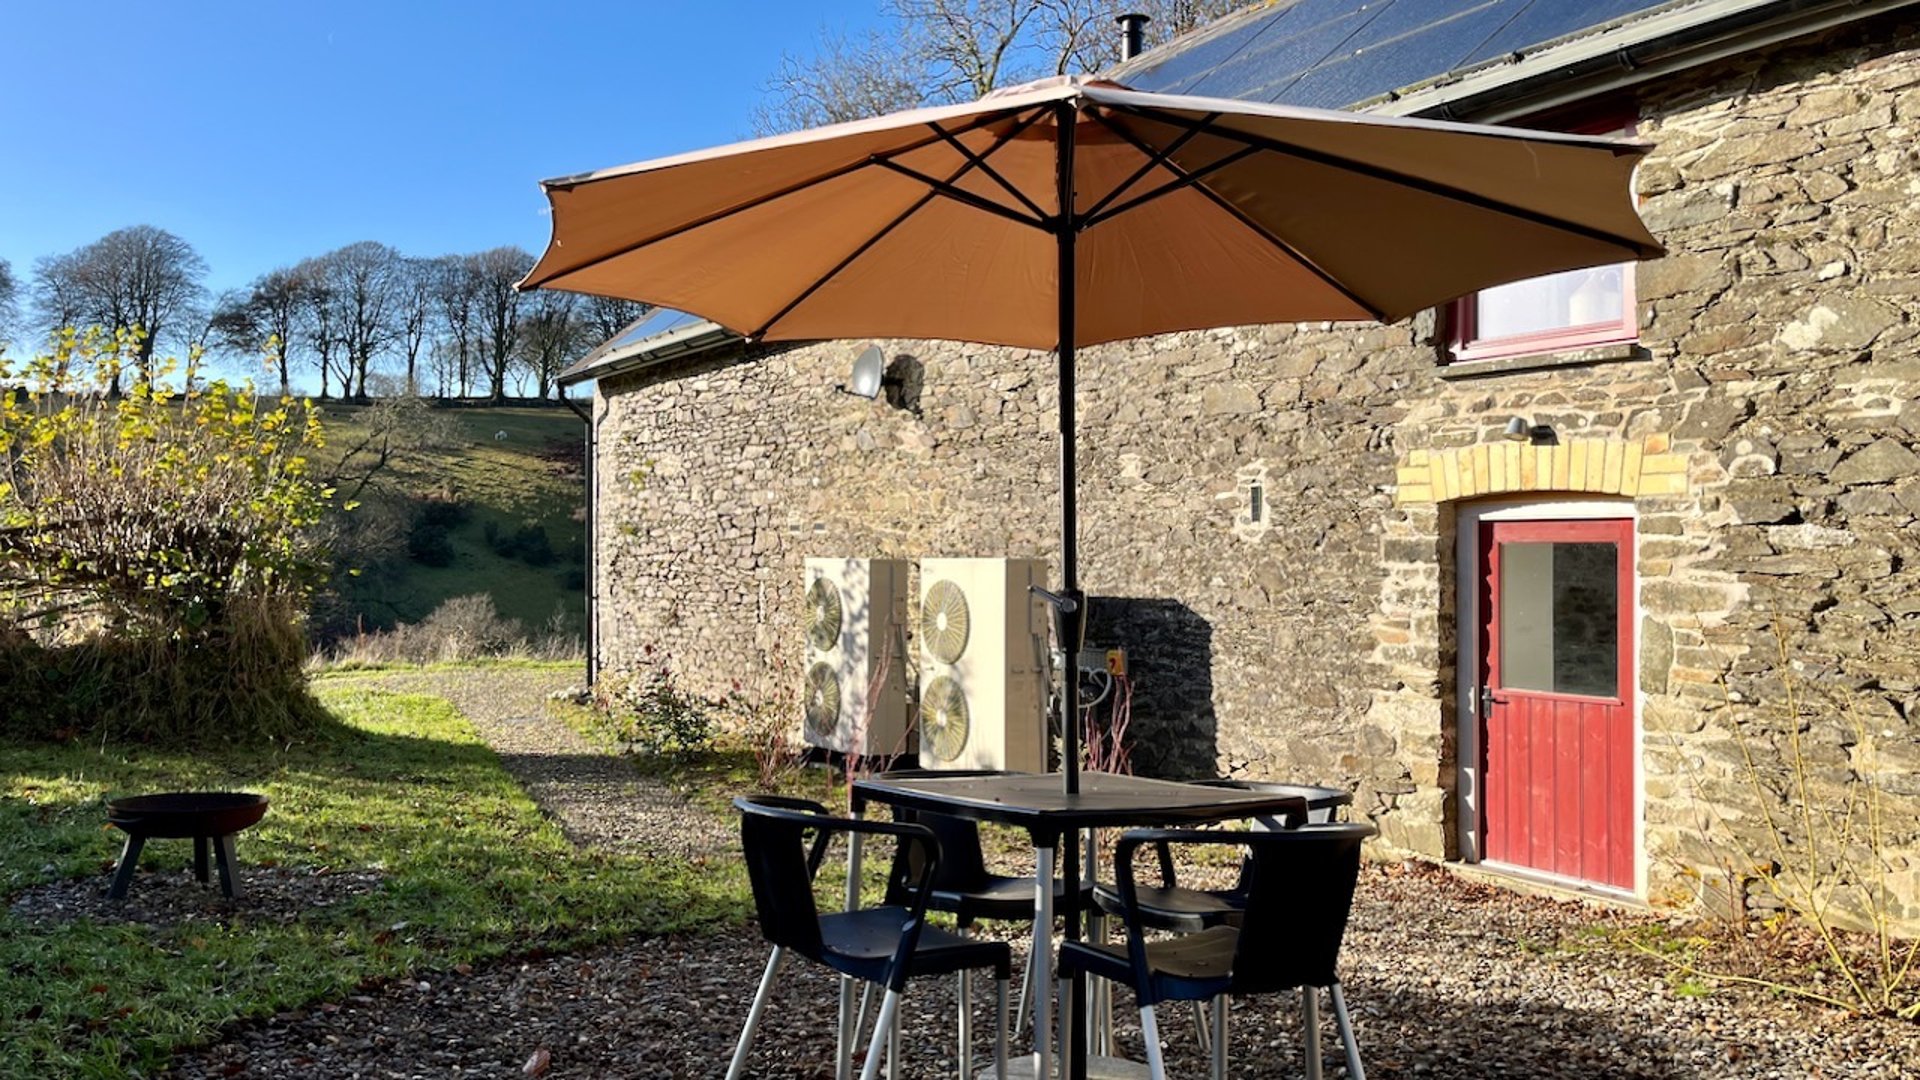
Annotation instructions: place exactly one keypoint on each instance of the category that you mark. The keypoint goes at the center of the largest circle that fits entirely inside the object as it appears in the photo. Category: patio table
(1038, 804)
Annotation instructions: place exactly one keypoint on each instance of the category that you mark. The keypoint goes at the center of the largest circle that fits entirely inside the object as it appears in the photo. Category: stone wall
(1769, 417)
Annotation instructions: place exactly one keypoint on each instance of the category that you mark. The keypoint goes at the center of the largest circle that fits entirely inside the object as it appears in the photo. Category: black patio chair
(1172, 906)
(785, 840)
(1300, 886)
(963, 886)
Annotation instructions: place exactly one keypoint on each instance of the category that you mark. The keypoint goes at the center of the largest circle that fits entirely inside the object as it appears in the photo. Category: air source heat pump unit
(856, 685)
(983, 664)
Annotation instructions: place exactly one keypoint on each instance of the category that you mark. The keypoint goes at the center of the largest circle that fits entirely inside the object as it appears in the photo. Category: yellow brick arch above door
(1632, 467)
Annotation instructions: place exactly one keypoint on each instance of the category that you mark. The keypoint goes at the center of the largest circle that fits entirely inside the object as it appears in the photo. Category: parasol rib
(980, 162)
(1239, 215)
(945, 189)
(1393, 176)
(919, 204)
(1156, 159)
(1184, 179)
(835, 173)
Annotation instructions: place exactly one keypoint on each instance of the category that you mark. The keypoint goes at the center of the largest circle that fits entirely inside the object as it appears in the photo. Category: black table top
(1040, 804)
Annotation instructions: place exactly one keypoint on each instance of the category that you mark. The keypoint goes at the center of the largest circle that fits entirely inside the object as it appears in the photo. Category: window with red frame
(1577, 309)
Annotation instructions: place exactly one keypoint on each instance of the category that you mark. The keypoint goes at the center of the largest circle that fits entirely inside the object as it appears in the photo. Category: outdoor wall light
(1519, 430)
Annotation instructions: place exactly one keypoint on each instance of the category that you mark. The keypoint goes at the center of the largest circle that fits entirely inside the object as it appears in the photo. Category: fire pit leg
(223, 855)
(123, 875)
(200, 859)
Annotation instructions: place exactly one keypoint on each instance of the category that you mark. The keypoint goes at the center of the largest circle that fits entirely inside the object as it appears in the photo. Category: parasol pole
(1072, 613)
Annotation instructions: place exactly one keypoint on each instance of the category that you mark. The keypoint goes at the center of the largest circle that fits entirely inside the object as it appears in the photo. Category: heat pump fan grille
(823, 700)
(944, 622)
(943, 719)
(823, 604)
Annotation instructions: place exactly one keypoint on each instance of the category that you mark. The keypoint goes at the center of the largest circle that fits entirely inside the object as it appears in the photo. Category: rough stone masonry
(1763, 432)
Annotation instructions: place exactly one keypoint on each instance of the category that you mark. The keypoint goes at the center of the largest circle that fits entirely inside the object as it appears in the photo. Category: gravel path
(1446, 978)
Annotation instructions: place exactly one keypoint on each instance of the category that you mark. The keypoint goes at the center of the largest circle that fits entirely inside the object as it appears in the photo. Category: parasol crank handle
(1065, 605)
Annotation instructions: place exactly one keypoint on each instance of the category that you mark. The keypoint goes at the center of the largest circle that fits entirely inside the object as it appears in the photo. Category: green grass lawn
(402, 786)
(496, 467)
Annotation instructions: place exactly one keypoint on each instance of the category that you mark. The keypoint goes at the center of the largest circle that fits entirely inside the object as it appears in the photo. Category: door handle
(1486, 701)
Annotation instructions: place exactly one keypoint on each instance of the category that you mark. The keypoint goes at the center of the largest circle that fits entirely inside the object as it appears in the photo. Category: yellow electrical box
(1117, 663)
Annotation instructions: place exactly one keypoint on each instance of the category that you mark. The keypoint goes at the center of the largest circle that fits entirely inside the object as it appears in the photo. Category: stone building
(1677, 501)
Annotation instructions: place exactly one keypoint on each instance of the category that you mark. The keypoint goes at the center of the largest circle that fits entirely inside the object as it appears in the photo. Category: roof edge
(1639, 50)
(606, 361)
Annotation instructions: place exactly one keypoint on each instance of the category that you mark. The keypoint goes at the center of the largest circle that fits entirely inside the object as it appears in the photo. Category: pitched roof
(1339, 53)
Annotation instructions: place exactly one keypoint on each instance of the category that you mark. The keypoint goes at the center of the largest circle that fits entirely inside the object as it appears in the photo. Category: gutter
(593, 539)
(1618, 57)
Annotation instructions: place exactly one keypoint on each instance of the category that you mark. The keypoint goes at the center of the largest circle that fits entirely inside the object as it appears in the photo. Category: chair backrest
(785, 839)
(1323, 803)
(1300, 886)
(963, 866)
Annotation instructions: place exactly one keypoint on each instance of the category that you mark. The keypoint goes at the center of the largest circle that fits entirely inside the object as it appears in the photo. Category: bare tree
(970, 47)
(58, 299)
(943, 51)
(139, 278)
(552, 335)
(9, 311)
(320, 322)
(364, 280)
(495, 273)
(605, 316)
(457, 294)
(414, 303)
(263, 319)
(839, 80)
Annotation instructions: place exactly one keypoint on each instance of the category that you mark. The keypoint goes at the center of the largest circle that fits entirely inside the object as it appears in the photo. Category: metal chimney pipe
(1133, 32)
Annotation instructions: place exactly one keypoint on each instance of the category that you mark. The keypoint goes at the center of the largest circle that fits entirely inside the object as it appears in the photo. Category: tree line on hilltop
(451, 326)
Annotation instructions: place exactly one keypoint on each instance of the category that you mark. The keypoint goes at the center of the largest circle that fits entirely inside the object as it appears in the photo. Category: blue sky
(265, 132)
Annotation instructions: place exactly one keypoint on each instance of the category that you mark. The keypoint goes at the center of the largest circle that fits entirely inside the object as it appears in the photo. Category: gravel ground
(1446, 978)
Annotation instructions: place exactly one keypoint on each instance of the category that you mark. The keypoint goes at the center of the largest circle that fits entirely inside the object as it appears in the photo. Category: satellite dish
(867, 372)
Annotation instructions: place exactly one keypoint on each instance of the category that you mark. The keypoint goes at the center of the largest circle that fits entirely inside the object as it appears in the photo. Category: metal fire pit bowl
(210, 818)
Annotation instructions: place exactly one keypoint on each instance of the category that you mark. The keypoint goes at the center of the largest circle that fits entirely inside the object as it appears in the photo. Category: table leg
(200, 859)
(1042, 961)
(1073, 1026)
(843, 1061)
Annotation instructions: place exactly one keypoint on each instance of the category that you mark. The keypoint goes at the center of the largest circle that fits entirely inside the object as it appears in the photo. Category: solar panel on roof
(1337, 53)
(1546, 20)
(1402, 39)
(658, 321)
(1314, 30)
(1178, 70)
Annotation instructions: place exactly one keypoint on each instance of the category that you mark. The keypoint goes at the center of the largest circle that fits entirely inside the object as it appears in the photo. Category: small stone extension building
(1587, 579)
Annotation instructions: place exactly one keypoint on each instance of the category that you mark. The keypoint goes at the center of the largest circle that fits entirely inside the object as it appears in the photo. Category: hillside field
(508, 470)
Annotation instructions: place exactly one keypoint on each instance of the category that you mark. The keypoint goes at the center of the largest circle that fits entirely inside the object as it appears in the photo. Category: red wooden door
(1556, 697)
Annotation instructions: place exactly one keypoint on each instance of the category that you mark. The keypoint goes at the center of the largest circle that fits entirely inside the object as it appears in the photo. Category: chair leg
(1150, 1031)
(1310, 1029)
(966, 1018)
(893, 1048)
(1219, 1007)
(848, 1035)
(1023, 1014)
(1201, 1032)
(882, 1029)
(753, 1015)
(1354, 1069)
(1000, 1030)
